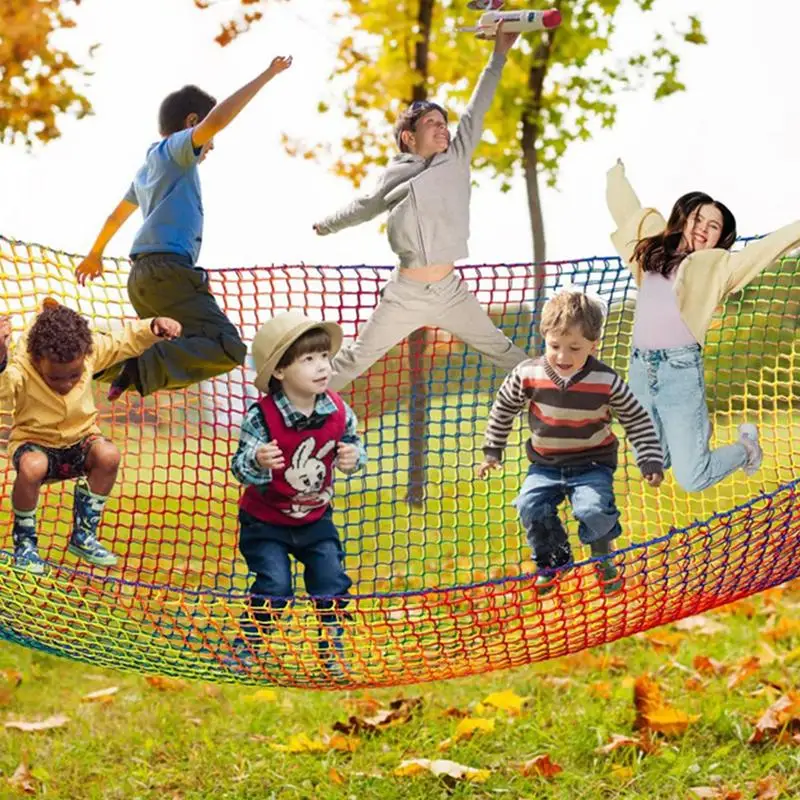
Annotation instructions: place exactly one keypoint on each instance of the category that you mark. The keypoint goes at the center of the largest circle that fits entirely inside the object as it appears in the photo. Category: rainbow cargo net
(443, 588)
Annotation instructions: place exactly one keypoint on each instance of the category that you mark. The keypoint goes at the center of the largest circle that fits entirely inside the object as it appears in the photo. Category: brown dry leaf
(785, 711)
(694, 683)
(506, 701)
(399, 712)
(709, 666)
(646, 694)
(769, 787)
(700, 624)
(642, 742)
(12, 676)
(455, 713)
(165, 684)
(664, 640)
(5, 696)
(541, 765)
(57, 721)
(785, 629)
(366, 705)
(443, 769)
(101, 695)
(743, 670)
(335, 776)
(342, 743)
(22, 780)
(600, 689)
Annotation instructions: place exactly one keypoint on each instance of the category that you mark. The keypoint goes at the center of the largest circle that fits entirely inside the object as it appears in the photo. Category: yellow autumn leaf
(301, 743)
(669, 721)
(621, 773)
(506, 701)
(262, 696)
(471, 725)
(441, 768)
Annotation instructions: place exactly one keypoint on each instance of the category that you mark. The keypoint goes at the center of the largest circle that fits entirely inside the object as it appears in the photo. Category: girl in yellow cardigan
(46, 384)
(684, 269)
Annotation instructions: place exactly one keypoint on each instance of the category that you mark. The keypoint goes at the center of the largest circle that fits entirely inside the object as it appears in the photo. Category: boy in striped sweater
(570, 397)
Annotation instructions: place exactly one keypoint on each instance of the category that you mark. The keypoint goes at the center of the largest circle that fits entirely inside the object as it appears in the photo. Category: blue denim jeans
(671, 386)
(266, 549)
(590, 490)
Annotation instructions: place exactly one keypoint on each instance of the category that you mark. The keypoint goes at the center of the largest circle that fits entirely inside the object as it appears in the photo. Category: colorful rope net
(443, 586)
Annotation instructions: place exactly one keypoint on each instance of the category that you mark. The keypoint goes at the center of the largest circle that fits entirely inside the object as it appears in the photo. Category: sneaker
(545, 584)
(127, 377)
(246, 658)
(26, 558)
(748, 436)
(609, 577)
(87, 547)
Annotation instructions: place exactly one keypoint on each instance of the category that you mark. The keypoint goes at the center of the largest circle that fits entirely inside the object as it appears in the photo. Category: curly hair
(59, 334)
(573, 309)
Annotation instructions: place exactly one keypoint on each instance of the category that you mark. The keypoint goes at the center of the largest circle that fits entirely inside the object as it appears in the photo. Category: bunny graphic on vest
(306, 476)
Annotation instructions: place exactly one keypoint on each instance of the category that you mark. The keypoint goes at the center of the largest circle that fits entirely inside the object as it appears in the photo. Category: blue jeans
(590, 490)
(671, 386)
(266, 549)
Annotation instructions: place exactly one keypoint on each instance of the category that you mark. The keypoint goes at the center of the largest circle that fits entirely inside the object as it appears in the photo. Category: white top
(657, 323)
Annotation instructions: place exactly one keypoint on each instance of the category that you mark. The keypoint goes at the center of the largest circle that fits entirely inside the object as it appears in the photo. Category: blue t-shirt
(167, 189)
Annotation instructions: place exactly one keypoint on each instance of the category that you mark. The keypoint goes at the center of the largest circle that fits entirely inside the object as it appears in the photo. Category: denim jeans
(266, 549)
(590, 490)
(671, 386)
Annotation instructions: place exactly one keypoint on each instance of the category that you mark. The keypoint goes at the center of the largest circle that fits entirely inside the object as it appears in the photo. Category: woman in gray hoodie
(426, 189)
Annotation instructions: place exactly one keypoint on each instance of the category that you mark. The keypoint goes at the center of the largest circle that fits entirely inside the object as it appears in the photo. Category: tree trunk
(417, 342)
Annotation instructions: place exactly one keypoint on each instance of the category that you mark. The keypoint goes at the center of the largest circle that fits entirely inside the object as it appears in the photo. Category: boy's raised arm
(225, 112)
(92, 266)
(131, 341)
(362, 209)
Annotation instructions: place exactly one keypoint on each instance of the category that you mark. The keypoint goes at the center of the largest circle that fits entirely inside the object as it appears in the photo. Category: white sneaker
(748, 436)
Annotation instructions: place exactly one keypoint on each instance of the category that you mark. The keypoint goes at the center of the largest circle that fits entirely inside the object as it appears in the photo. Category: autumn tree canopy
(37, 80)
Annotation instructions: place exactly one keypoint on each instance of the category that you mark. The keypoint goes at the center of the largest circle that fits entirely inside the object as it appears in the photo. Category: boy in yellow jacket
(46, 383)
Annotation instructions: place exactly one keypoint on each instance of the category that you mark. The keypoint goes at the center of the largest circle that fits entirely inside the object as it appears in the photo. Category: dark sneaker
(26, 558)
(87, 547)
(128, 377)
(608, 574)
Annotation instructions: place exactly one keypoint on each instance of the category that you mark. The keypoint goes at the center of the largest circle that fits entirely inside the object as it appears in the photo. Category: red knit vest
(300, 493)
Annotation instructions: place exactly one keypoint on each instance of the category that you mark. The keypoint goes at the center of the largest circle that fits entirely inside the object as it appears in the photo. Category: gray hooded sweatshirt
(428, 198)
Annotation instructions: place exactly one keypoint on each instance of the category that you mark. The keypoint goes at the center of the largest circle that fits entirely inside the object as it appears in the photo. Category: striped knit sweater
(570, 420)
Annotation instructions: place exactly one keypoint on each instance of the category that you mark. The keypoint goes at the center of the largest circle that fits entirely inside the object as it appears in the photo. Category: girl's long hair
(661, 253)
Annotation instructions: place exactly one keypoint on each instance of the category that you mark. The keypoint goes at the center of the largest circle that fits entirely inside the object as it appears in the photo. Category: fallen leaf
(653, 714)
(399, 712)
(342, 743)
(471, 725)
(12, 676)
(600, 689)
(57, 721)
(262, 696)
(700, 624)
(541, 765)
(642, 742)
(5, 696)
(743, 670)
(334, 776)
(785, 629)
(769, 788)
(442, 768)
(22, 780)
(621, 773)
(101, 695)
(301, 743)
(694, 683)
(165, 684)
(709, 666)
(782, 713)
(716, 793)
(744, 608)
(506, 701)
(456, 713)
(664, 640)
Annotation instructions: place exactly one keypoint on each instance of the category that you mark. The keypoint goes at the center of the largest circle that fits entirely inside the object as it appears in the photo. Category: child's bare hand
(279, 64)
(166, 328)
(270, 456)
(346, 457)
(5, 336)
(655, 479)
(487, 466)
(90, 268)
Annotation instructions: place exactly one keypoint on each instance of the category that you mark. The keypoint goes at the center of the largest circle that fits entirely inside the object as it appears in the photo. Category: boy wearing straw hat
(290, 441)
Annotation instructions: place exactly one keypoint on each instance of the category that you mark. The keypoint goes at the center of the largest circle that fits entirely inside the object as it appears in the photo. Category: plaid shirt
(255, 433)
